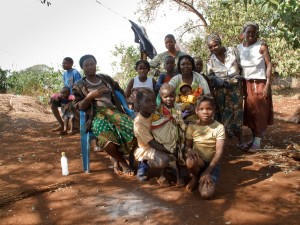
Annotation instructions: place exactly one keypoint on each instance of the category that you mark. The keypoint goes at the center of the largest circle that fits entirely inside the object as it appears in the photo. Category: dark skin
(65, 95)
(170, 46)
(198, 64)
(143, 71)
(218, 50)
(205, 112)
(250, 36)
(186, 67)
(66, 66)
(89, 68)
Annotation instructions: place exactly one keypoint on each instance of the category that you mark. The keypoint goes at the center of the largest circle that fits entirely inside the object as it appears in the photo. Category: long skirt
(229, 108)
(258, 111)
(110, 125)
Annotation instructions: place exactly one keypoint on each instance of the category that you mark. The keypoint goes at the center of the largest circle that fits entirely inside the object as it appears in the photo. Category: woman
(255, 60)
(95, 94)
(158, 61)
(186, 67)
(224, 72)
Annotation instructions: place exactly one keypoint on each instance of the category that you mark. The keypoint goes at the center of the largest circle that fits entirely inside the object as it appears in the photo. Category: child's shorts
(215, 174)
(154, 158)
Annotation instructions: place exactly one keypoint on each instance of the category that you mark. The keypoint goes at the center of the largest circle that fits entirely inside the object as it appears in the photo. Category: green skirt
(110, 125)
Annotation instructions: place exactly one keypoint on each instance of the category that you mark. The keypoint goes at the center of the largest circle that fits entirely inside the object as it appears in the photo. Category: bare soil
(260, 188)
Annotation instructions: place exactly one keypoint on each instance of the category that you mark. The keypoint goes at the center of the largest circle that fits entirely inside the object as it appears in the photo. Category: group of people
(184, 116)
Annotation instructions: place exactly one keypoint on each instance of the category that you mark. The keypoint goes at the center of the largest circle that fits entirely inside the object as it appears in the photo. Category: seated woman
(186, 67)
(95, 94)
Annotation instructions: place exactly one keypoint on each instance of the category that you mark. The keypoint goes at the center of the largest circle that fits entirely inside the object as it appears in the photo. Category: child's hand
(205, 179)
(192, 154)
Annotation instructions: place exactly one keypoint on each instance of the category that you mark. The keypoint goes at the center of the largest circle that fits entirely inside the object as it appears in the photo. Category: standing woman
(158, 61)
(224, 72)
(186, 67)
(95, 94)
(255, 60)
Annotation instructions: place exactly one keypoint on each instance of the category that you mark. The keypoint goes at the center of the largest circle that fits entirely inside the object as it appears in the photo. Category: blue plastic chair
(86, 137)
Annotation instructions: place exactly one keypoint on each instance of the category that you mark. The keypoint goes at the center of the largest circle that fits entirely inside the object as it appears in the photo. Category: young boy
(70, 76)
(169, 65)
(168, 128)
(150, 153)
(67, 110)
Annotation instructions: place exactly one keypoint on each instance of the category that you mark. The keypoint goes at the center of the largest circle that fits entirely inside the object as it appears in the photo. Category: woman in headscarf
(95, 94)
(255, 60)
(224, 72)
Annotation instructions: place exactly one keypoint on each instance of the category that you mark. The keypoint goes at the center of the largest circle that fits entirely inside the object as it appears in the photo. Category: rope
(118, 14)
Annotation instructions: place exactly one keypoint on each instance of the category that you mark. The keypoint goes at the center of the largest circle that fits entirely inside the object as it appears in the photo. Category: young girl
(168, 128)
(169, 65)
(255, 60)
(150, 153)
(140, 81)
(204, 145)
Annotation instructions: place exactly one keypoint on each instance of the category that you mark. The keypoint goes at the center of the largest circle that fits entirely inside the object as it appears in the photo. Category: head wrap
(213, 37)
(251, 24)
(85, 57)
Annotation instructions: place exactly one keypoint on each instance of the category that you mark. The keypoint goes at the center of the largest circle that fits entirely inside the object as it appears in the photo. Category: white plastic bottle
(64, 164)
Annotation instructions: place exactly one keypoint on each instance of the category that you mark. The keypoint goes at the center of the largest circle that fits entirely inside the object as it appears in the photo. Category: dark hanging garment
(141, 37)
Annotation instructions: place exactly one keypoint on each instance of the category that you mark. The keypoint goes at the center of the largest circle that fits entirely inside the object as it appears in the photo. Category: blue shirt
(70, 77)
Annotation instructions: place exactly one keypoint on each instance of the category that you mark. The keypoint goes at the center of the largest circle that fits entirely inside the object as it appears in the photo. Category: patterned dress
(229, 100)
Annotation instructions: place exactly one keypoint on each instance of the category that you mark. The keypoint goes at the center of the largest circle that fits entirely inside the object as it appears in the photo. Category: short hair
(213, 37)
(69, 60)
(251, 24)
(166, 87)
(206, 98)
(169, 57)
(171, 36)
(198, 57)
(141, 93)
(142, 61)
(190, 58)
(85, 57)
(65, 88)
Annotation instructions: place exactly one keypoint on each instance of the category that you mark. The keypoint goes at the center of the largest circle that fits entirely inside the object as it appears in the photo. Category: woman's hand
(266, 91)
(95, 93)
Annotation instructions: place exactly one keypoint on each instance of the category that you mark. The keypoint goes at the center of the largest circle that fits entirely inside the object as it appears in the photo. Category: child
(150, 153)
(187, 97)
(65, 99)
(199, 69)
(169, 65)
(140, 81)
(204, 145)
(168, 128)
(70, 76)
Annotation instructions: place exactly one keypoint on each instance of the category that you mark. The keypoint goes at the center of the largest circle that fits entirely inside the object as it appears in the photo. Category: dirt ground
(260, 188)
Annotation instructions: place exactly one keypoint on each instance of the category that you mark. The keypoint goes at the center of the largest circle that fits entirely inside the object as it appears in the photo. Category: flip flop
(128, 172)
(57, 129)
(180, 183)
(118, 170)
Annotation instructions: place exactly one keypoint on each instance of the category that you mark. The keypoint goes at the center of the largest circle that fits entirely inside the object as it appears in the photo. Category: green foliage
(229, 24)
(126, 58)
(39, 81)
(3, 77)
(285, 18)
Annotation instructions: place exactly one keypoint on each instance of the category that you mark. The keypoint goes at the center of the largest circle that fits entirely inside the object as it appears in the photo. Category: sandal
(163, 182)
(192, 185)
(72, 132)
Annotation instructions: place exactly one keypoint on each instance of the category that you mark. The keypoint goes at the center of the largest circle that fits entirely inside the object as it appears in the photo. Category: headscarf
(213, 37)
(85, 57)
(251, 24)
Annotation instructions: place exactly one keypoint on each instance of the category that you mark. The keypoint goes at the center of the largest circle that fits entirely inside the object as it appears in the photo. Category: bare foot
(72, 132)
(162, 181)
(57, 129)
(192, 185)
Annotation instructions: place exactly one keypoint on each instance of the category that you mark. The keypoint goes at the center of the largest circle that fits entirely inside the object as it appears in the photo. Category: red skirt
(258, 110)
